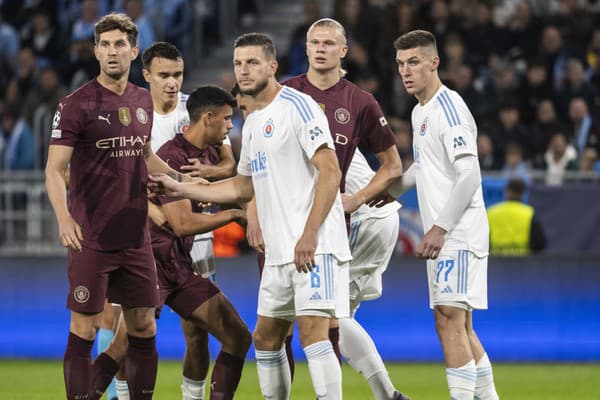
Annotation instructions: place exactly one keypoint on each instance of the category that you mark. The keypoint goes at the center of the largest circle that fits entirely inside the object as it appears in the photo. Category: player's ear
(273, 65)
(435, 63)
(344, 51)
(146, 74)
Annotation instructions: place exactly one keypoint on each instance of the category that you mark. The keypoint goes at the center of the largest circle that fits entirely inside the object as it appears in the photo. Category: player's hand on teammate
(69, 233)
(432, 243)
(195, 168)
(381, 200)
(254, 235)
(350, 203)
(238, 216)
(304, 252)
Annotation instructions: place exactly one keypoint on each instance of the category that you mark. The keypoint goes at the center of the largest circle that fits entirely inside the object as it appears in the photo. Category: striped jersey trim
(300, 103)
(463, 272)
(449, 108)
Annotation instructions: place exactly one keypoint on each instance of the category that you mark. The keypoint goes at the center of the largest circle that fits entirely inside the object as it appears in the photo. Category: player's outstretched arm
(326, 191)
(238, 189)
(69, 230)
(157, 166)
(389, 172)
(404, 184)
(223, 169)
(184, 222)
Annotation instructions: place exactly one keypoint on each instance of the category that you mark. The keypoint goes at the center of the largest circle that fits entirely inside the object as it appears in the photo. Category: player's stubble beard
(260, 86)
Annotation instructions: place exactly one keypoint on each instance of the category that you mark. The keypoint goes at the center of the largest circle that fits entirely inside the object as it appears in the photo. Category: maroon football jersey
(107, 194)
(165, 244)
(355, 118)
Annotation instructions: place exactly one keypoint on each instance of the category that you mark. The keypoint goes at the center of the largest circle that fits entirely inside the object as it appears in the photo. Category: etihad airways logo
(123, 146)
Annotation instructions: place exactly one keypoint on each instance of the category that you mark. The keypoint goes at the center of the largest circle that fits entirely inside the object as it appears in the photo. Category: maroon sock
(290, 354)
(225, 376)
(334, 338)
(103, 370)
(77, 367)
(141, 364)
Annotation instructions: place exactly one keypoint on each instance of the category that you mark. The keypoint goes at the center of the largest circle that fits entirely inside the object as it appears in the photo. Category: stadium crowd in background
(528, 69)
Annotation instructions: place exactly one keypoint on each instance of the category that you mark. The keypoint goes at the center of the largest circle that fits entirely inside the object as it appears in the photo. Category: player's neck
(266, 96)
(323, 80)
(429, 91)
(193, 136)
(117, 86)
(163, 108)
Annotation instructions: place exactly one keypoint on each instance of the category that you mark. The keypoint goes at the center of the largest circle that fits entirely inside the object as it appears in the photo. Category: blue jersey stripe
(452, 108)
(298, 107)
(445, 110)
(303, 102)
(447, 103)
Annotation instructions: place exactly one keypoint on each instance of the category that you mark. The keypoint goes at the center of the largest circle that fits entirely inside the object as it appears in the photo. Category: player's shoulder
(296, 82)
(450, 106)
(301, 103)
(139, 92)
(85, 91)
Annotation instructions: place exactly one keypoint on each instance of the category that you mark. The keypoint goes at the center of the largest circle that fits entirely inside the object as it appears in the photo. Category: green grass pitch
(42, 380)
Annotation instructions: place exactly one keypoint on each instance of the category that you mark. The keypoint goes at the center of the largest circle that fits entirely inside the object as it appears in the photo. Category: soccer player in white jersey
(450, 199)
(288, 161)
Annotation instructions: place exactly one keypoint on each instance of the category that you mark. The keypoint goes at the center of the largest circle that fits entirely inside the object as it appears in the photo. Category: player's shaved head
(328, 23)
(414, 39)
(257, 39)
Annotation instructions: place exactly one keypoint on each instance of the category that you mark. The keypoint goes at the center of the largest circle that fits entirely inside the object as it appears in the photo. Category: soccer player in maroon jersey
(194, 298)
(355, 119)
(103, 131)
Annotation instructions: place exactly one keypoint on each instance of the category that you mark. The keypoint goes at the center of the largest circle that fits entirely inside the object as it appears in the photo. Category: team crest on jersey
(81, 294)
(423, 128)
(141, 115)
(56, 120)
(183, 125)
(268, 128)
(342, 115)
(124, 116)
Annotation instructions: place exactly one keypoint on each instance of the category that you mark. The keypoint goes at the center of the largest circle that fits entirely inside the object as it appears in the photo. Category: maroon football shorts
(126, 277)
(181, 289)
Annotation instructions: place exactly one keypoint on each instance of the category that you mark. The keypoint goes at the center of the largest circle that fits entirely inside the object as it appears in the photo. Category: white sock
(122, 389)
(274, 374)
(192, 390)
(461, 381)
(484, 388)
(325, 370)
(360, 352)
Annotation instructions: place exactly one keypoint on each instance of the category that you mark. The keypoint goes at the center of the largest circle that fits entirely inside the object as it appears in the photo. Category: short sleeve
(66, 125)
(244, 166)
(378, 135)
(456, 128)
(314, 129)
(175, 160)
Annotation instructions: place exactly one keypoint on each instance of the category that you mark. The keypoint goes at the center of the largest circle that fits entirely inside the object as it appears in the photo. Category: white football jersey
(444, 129)
(166, 126)
(358, 176)
(278, 143)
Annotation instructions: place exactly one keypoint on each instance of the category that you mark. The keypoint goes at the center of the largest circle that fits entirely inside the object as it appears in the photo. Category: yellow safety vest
(510, 228)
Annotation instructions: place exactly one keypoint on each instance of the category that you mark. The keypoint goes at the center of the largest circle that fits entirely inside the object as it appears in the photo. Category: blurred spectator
(42, 38)
(593, 59)
(560, 157)
(510, 130)
(545, 124)
(585, 132)
(9, 41)
(297, 62)
(576, 86)
(83, 28)
(482, 36)
(48, 94)
(453, 55)
(575, 21)
(588, 162)
(80, 64)
(24, 80)
(522, 32)
(178, 22)
(135, 9)
(555, 55)
(514, 164)
(441, 22)
(403, 138)
(488, 159)
(534, 89)
(514, 228)
(16, 141)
